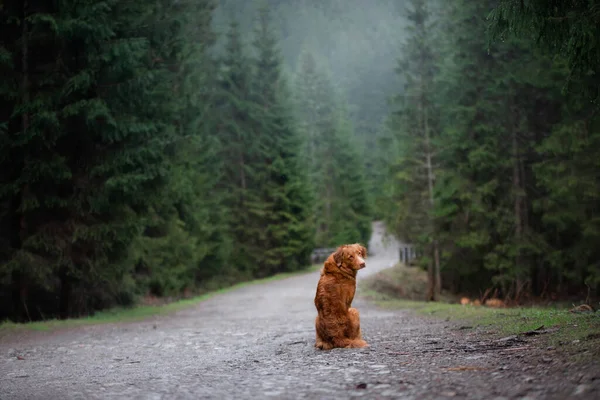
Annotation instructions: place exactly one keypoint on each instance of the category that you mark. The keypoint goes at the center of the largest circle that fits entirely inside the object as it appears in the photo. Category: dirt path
(257, 342)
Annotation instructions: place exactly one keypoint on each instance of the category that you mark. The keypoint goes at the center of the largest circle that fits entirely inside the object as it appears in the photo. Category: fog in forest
(166, 150)
(356, 42)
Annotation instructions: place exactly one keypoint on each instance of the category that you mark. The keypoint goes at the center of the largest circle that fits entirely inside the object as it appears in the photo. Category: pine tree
(416, 127)
(90, 125)
(241, 154)
(314, 106)
(184, 241)
(286, 193)
(351, 210)
(342, 205)
(497, 106)
(569, 31)
(566, 28)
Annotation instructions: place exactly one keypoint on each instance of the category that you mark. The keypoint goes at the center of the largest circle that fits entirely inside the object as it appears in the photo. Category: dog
(337, 324)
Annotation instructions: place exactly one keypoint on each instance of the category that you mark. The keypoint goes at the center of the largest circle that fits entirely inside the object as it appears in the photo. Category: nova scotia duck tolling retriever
(337, 324)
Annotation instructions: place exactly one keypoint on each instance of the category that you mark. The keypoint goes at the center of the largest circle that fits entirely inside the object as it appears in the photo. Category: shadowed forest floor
(257, 342)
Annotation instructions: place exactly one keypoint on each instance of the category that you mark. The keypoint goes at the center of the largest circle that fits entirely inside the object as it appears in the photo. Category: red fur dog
(338, 325)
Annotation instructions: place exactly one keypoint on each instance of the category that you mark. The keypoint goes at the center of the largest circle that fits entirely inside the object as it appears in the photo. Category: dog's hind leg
(354, 324)
(353, 338)
(356, 344)
(319, 342)
(349, 343)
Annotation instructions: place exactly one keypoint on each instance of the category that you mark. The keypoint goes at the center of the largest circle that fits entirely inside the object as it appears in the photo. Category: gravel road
(257, 343)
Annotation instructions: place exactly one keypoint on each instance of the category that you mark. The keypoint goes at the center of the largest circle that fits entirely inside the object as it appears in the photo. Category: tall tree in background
(185, 242)
(337, 171)
(286, 194)
(468, 186)
(242, 152)
(492, 119)
(352, 204)
(507, 145)
(112, 164)
(415, 124)
(84, 148)
(314, 106)
(569, 169)
(570, 28)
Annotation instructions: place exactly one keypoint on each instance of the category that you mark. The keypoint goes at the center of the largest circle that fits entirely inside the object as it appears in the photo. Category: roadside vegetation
(572, 328)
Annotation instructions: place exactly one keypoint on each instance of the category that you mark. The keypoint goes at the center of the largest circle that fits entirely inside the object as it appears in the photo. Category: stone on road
(257, 342)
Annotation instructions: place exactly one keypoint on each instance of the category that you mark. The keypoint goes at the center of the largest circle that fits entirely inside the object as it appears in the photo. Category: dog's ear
(338, 256)
(363, 251)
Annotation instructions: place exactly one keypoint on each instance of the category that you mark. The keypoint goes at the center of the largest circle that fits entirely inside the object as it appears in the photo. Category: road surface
(257, 343)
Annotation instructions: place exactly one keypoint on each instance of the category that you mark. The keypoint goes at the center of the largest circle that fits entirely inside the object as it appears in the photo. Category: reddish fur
(337, 324)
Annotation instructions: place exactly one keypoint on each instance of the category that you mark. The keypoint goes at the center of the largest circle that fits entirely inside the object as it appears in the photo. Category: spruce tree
(497, 106)
(468, 185)
(286, 193)
(342, 204)
(568, 31)
(241, 152)
(91, 128)
(416, 126)
(351, 210)
(183, 243)
(570, 28)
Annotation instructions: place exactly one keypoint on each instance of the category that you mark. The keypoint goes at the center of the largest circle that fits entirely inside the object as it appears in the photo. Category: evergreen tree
(314, 106)
(416, 127)
(86, 140)
(92, 142)
(286, 193)
(342, 205)
(351, 211)
(242, 157)
(567, 170)
(184, 243)
(496, 187)
(566, 28)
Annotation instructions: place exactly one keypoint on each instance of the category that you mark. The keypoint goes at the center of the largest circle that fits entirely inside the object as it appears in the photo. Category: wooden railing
(407, 254)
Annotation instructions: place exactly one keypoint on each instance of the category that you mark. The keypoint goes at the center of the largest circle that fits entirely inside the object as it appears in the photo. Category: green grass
(505, 321)
(576, 334)
(138, 313)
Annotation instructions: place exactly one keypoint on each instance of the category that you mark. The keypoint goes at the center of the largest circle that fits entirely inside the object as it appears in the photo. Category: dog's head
(350, 257)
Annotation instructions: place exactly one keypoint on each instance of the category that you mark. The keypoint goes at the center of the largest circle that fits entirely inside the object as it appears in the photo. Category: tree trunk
(19, 278)
(25, 67)
(241, 165)
(518, 211)
(65, 295)
(435, 274)
(431, 282)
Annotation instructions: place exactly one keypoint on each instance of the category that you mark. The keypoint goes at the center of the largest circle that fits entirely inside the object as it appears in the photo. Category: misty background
(160, 151)
(357, 43)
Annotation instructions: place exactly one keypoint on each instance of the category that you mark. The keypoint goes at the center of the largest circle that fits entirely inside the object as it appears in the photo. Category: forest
(170, 148)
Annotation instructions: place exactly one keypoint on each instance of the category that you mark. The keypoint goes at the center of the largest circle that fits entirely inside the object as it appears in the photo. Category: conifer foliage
(416, 127)
(286, 191)
(85, 140)
(515, 156)
(343, 208)
(135, 163)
